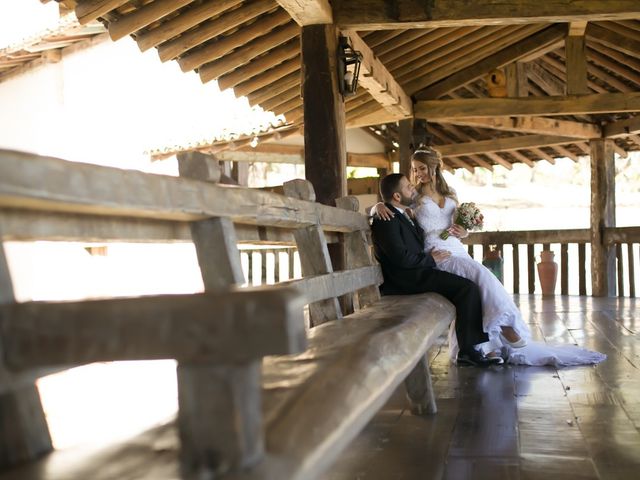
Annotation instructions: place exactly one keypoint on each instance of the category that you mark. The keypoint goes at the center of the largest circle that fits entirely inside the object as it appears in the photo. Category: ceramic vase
(547, 272)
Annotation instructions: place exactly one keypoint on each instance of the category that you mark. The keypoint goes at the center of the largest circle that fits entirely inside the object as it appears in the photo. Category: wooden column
(24, 434)
(220, 405)
(576, 65)
(325, 150)
(405, 128)
(603, 267)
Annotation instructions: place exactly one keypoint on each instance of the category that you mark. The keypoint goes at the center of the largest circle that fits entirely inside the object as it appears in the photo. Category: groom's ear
(396, 196)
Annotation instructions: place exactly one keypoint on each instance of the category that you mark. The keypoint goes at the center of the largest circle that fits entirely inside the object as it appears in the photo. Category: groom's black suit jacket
(399, 248)
(407, 268)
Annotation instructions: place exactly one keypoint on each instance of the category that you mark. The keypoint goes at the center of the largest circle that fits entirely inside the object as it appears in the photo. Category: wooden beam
(89, 10)
(406, 14)
(181, 23)
(308, 12)
(208, 30)
(261, 64)
(220, 47)
(376, 79)
(548, 82)
(513, 53)
(539, 125)
(625, 44)
(622, 128)
(502, 144)
(602, 217)
(324, 114)
(140, 18)
(248, 52)
(434, 110)
(576, 61)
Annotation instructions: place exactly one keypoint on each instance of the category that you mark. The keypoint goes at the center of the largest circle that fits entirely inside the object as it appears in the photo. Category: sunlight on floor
(105, 402)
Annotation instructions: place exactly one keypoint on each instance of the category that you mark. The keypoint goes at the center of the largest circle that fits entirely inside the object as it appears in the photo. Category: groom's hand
(440, 256)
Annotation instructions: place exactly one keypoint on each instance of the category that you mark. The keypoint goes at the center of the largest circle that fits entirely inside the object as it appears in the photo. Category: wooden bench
(259, 397)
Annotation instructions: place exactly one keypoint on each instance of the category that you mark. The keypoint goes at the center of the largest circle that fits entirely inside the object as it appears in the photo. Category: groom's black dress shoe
(476, 359)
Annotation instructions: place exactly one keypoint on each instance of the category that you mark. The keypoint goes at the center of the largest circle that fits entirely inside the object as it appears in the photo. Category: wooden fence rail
(621, 239)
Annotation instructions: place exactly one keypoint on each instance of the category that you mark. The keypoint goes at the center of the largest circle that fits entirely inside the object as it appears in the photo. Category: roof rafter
(513, 53)
(378, 15)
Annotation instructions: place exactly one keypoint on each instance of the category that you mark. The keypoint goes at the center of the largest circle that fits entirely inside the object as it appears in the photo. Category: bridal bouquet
(468, 216)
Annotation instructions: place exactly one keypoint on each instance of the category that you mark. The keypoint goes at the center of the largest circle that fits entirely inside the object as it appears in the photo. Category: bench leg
(420, 389)
(24, 434)
(220, 418)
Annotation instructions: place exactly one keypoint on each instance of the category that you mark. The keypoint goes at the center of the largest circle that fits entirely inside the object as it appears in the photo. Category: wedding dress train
(499, 308)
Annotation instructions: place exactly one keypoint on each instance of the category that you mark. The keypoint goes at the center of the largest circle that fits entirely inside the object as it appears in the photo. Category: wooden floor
(518, 422)
(500, 423)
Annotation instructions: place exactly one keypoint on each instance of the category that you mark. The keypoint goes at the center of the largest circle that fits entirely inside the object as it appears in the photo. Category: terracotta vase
(547, 272)
(493, 261)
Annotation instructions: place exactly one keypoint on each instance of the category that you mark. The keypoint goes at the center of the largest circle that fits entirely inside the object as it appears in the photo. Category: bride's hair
(433, 160)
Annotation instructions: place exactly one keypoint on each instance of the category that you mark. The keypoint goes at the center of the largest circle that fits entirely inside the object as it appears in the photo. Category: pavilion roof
(442, 65)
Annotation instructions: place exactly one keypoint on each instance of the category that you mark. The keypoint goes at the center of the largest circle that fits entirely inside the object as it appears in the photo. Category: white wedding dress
(497, 305)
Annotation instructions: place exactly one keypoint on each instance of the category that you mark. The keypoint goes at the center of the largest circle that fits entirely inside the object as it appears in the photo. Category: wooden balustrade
(625, 240)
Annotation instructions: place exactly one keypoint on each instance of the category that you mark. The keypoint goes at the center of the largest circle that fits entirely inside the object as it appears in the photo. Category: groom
(407, 268)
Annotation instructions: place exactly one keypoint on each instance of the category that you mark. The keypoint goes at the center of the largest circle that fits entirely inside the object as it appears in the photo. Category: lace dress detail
(498, 308)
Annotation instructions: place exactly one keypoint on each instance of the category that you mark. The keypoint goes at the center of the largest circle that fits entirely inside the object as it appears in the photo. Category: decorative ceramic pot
(493, 261)
(547, 272)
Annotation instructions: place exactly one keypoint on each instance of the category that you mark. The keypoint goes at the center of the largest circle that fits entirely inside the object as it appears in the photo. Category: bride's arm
(382, 211)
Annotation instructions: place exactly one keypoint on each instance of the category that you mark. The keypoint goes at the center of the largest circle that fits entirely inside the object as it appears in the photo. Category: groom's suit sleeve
(387, 237)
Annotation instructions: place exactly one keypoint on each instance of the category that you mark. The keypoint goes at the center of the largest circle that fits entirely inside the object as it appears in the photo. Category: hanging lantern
(348, 67)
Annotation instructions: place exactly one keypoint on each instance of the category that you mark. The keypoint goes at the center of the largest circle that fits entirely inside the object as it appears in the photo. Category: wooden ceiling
(438, 58)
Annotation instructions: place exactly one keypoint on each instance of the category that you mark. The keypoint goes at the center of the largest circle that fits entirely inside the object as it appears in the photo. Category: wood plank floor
(518, 422)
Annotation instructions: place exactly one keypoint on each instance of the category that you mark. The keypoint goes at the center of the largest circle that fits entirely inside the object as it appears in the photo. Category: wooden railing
(624, 241)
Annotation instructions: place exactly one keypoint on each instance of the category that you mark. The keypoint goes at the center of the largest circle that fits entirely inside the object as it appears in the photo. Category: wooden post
(582, 269)
(24, 434)
(576, 65)
(517, 80)
(516, 268)
(603, 266)
(219, 418)
(419, 389)
(405, 127)
(325, 149)
(314, 254)
(564, 269)
(531, 268)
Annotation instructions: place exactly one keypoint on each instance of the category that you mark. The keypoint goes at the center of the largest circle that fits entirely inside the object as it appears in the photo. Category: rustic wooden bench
(259, 397)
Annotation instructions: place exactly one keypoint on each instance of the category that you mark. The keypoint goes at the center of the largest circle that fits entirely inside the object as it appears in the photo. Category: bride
(434, 211)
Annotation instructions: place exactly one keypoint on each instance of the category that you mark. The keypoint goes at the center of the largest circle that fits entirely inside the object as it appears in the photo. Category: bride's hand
(382, 211)
(458, 231)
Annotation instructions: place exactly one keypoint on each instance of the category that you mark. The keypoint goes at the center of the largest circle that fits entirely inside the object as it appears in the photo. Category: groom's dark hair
(390, 185)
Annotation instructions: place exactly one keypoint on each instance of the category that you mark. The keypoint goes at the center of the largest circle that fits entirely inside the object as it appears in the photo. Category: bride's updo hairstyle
(433, 160)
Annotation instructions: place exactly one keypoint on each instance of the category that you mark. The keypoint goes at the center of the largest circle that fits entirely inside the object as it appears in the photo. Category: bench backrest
(45, 198)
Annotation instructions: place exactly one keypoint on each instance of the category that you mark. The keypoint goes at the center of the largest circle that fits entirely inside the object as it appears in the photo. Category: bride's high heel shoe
(521, 342)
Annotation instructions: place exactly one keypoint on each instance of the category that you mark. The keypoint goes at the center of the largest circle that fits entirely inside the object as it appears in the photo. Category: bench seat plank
(314, 403)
